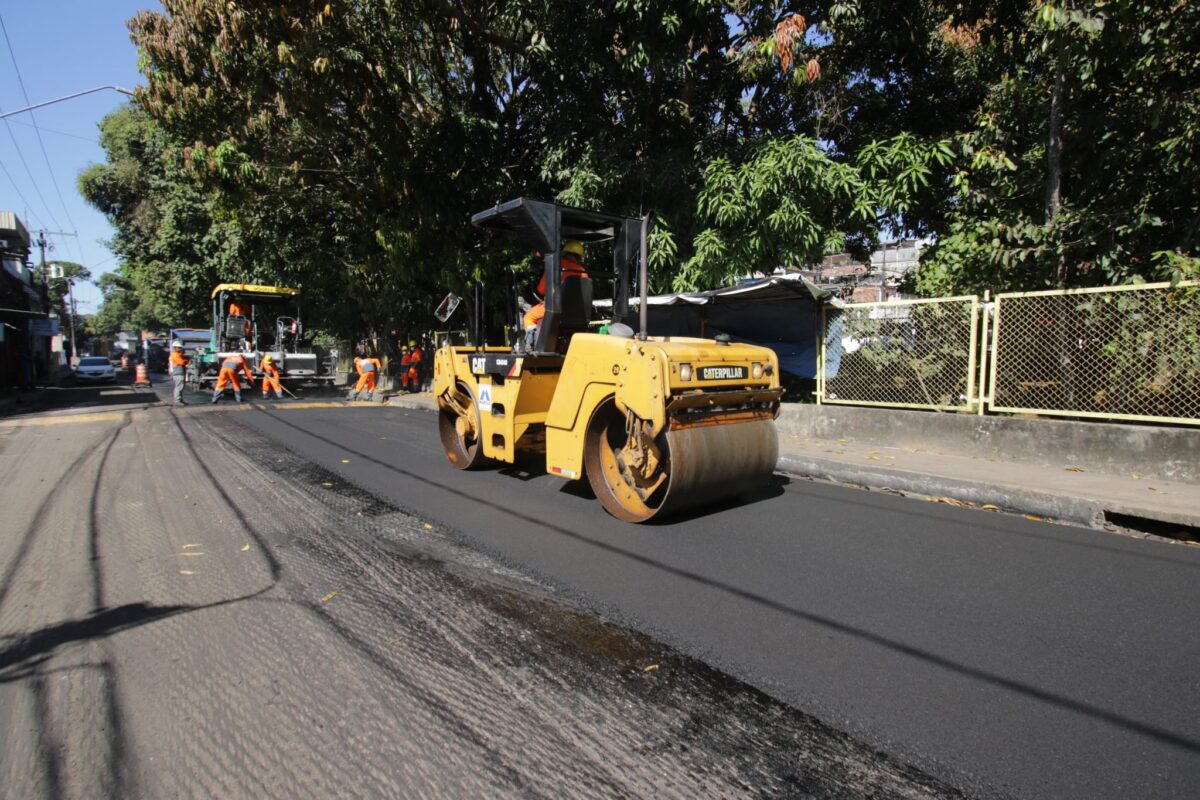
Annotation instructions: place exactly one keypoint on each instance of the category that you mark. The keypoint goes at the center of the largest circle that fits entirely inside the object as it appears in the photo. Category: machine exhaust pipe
(642, 276)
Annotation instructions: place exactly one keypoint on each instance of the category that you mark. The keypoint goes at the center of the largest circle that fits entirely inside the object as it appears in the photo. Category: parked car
(95, 368)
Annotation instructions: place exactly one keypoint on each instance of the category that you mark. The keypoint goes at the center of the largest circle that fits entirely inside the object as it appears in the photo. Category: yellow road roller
(658, 424)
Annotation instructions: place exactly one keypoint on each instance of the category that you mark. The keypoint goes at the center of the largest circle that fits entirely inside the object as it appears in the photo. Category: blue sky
(60, 47)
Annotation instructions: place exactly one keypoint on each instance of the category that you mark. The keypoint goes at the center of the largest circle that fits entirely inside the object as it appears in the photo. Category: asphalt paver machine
(258, 321)
(657, 424)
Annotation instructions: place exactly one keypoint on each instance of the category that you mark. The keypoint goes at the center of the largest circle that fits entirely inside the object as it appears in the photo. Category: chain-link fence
(906, 353)
(1128, 352)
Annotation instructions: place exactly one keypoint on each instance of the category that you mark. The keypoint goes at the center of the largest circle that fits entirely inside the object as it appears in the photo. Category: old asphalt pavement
(188, 608)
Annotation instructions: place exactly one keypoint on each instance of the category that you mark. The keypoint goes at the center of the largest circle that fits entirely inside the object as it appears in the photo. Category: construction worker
(405, 363)
(412, 378)
(237, 309)
(228, 376)
(270, 380)
(570, 266)
(368, 369)
(179, 364)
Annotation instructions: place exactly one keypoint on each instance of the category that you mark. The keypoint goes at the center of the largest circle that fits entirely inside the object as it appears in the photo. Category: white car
(95, 368)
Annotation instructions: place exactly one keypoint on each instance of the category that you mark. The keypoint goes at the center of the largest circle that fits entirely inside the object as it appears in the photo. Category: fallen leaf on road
(345, 461)
(990, 507)
(428, 526)
(193, 553)
(1032, 517)
(188, 546)
(650, 668)
(872, 451)
(950, 501)
(1151, 488)
(842, 441)
(245, 547)
(872, 458)
(1074, 469)
(395, 641)
(327, 485)
(329, 597)
(186, 572)
(1136, 477)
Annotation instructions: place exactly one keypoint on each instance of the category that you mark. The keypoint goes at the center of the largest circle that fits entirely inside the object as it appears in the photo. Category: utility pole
(42, 245)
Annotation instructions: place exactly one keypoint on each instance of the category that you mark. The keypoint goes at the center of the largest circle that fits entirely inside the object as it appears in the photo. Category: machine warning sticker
(723, 373)
(485, 397)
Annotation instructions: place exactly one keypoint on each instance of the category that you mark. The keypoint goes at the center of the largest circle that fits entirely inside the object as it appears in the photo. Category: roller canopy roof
(255, 290)
(534, 220)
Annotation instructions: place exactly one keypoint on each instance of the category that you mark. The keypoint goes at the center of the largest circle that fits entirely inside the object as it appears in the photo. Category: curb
(1021, 500)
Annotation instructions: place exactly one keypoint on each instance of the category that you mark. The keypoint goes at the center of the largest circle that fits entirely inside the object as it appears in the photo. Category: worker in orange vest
(228, 376)
(368, 369)
(179, 364)
(270, 379)
(405, 363)
(410, 367)
(570, 266)
(236, 309)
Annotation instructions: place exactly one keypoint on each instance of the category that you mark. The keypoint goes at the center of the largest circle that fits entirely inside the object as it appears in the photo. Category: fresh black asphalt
(1001, 654)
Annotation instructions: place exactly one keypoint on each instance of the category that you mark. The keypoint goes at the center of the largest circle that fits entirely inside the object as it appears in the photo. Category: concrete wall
(1157, 451)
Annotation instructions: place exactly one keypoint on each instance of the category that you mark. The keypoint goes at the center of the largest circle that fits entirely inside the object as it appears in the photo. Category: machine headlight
(756, 370)
(685, 372)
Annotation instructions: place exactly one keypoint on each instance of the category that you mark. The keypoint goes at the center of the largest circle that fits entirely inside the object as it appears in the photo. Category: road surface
(187, 609)
(1000, 654)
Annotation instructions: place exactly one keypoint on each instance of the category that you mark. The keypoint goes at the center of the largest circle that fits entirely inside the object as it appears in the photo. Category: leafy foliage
(341, 146)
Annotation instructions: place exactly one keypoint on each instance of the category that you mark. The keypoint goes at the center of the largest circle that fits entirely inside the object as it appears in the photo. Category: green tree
(1082, 166)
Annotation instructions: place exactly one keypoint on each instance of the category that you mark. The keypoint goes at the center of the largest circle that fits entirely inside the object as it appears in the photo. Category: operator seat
(576, 297)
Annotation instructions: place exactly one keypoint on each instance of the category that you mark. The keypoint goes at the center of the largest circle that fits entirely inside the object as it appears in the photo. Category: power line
(32, 180)
(28, 207)
(41, 143)
(91, 139)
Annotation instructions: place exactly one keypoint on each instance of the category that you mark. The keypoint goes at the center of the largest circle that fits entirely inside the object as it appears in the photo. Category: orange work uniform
(236, 309)
(410, 368)
(228, 375)
(368, 369)
(270, 380)
(568, 267)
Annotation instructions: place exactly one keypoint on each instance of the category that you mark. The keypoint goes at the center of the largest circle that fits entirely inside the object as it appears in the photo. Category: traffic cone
(141, 377)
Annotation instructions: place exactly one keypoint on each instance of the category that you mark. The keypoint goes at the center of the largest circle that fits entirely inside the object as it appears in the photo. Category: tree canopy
(341, 146)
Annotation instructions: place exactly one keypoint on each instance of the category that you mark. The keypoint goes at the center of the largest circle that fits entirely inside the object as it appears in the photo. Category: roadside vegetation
(341, 146)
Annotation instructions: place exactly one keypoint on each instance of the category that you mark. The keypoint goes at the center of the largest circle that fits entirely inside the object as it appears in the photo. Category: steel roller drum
(715, 462)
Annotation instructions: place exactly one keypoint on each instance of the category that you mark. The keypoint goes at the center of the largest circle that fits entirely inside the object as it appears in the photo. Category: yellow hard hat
(573, 247)
(412, 343)
(267, 359)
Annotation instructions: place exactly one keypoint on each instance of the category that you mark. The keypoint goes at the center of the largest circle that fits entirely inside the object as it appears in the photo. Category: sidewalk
(1068, 493)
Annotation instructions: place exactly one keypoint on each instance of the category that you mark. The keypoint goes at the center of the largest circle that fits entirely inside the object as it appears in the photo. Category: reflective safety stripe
(368, 366)
(231, 364)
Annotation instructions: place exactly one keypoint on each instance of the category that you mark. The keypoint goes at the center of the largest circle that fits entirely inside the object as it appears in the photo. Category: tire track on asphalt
(441, 710)
(44, 508)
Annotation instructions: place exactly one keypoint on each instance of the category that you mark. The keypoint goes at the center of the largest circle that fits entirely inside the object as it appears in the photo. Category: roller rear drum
(637, 481)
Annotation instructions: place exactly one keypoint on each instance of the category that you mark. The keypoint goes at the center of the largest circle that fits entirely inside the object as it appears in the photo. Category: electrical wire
(89, 140)
(17, 189)
(41, 143)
